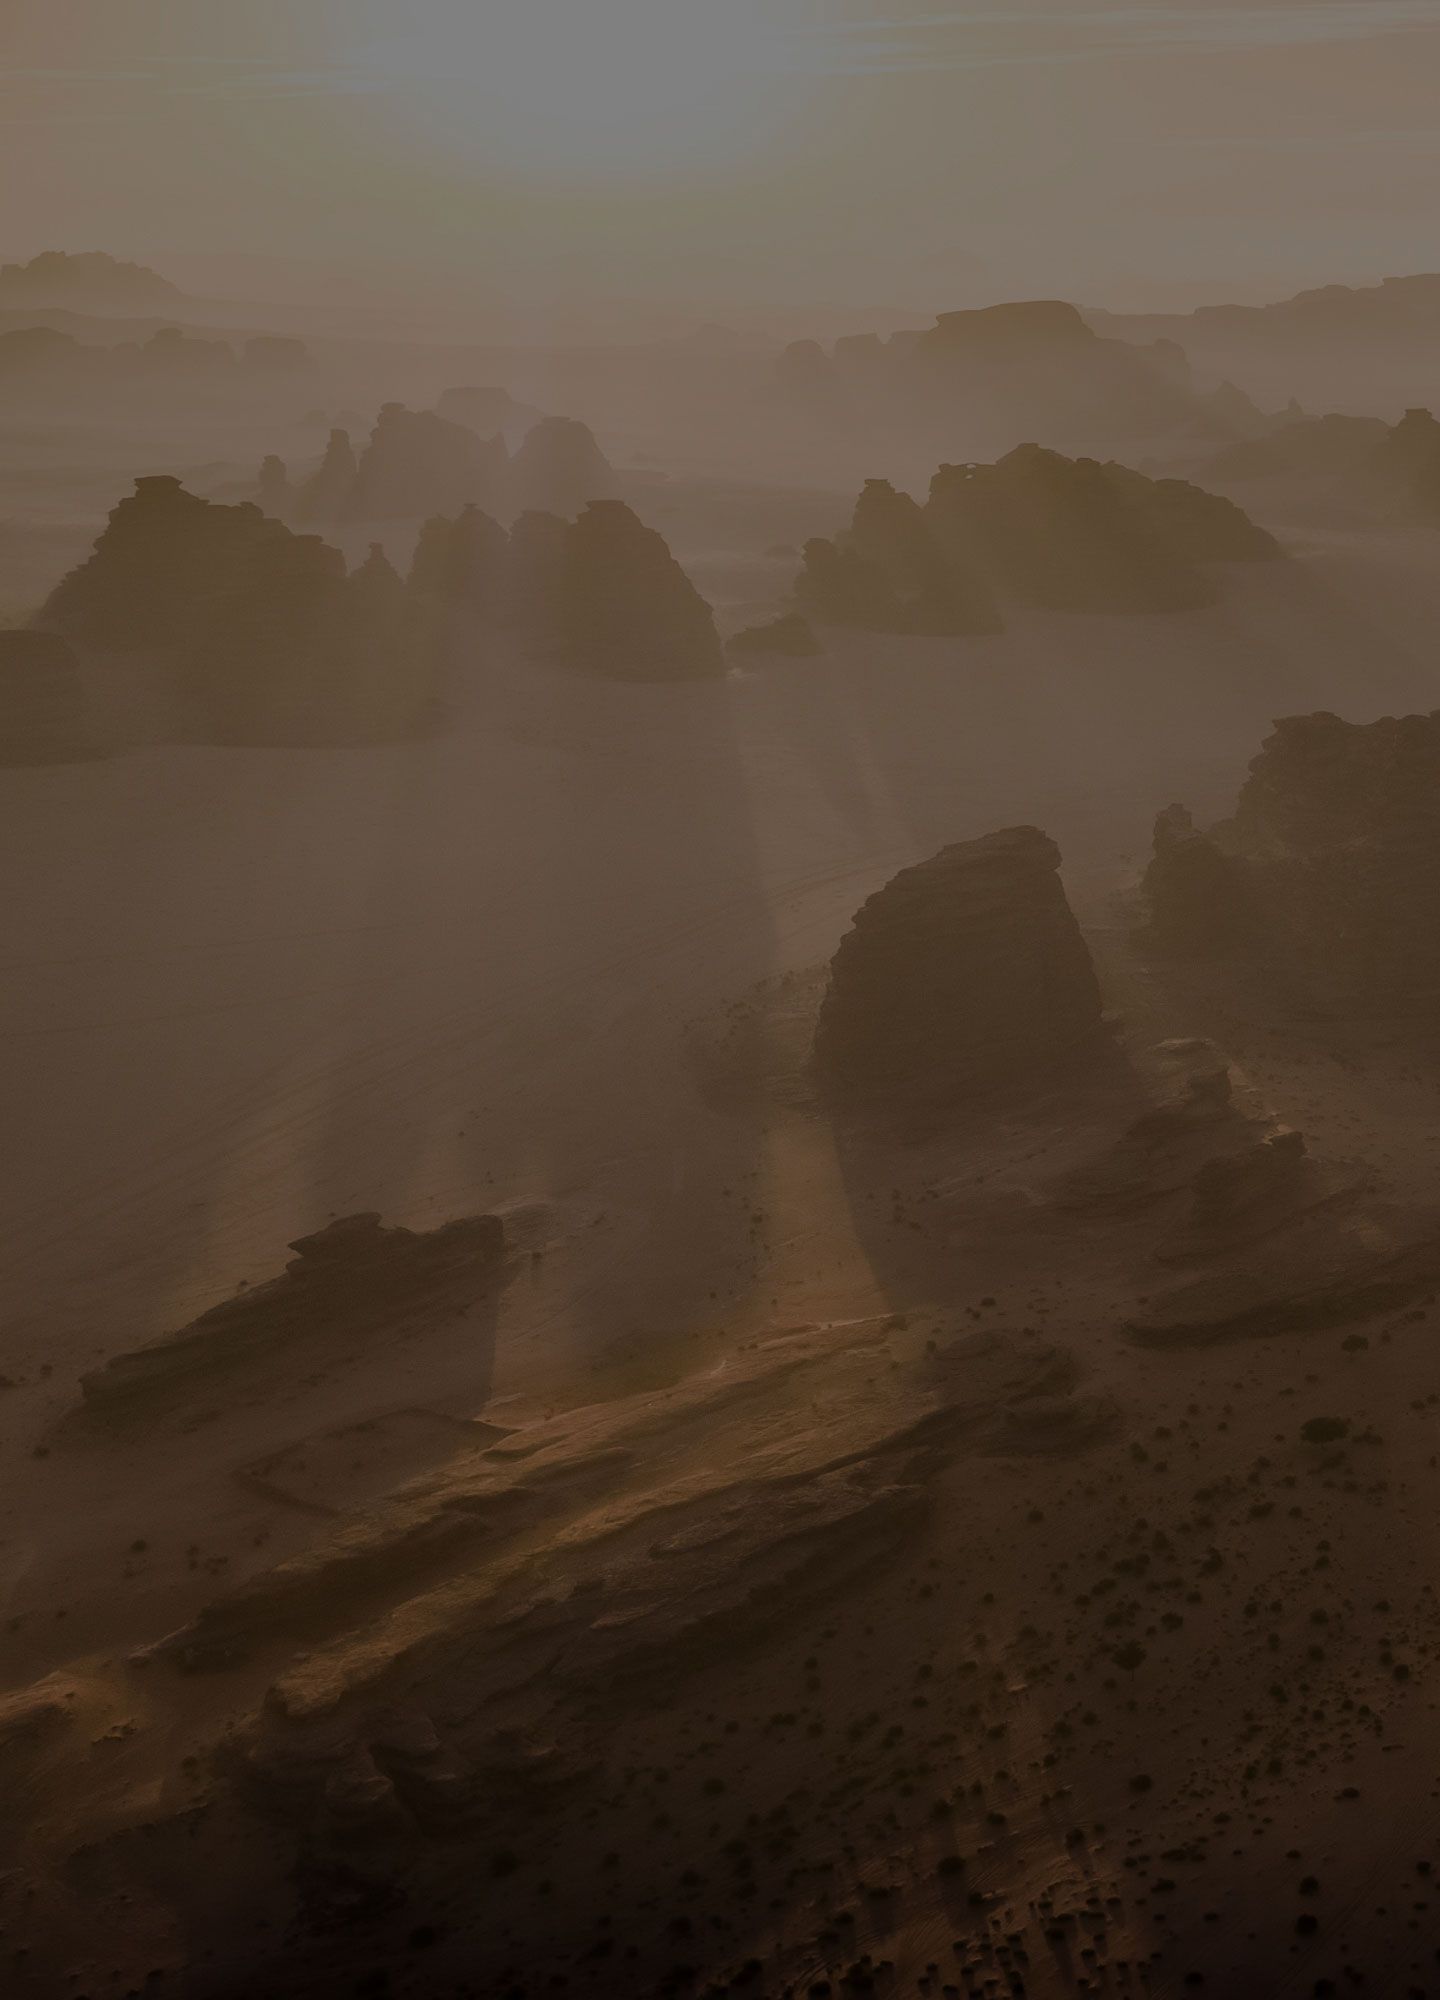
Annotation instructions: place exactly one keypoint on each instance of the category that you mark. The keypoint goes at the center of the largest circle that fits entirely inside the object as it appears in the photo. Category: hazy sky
(754, 150)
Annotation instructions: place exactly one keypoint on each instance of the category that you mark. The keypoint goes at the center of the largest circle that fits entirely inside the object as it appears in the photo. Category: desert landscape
(720, 1056)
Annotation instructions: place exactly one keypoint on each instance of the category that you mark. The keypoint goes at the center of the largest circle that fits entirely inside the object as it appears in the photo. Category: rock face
(1405, 467)
(353, 1276)
(42, 707)
(461, 564)
(1197, 895)
(626, 609)
(978, 381)
(326, 494)
(89, 282)
(1329, 863)
(963, 976)
(1034, 529)
(418, 463)
(259, 634)
(559, 469)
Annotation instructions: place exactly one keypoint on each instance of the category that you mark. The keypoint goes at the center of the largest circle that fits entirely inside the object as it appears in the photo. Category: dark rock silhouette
(351, 1278)
(273, 492)
(259, 632)
(1075, 535)
(939, 591)
(1196, 895)
(462, 564)
(535, 580)
(89, 281)
(1310, 447)
(325, 496)
(1329, 861)
(559, 469)
(1405, 466)
(417, 464)
(42, 704)
(789, 637)
(626, 609)
(1035, 529)
(1316, 345)
(889, 572)
(963, 976)
(976, 380)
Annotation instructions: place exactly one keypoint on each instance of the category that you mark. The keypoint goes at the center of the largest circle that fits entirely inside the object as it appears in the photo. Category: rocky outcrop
(1328, 865)
(256, 632)
(1064, 534)
(417, 464)
(1405, 467)
(891, 573)
(1196, 895)
(87, 281)
(1308, 448)
(625, 607)
(559, 469)
(978, 381)
(965, 976)
(1034, 529)
(348, 1279)
(42, 703)
(326, 494)
(461, 564)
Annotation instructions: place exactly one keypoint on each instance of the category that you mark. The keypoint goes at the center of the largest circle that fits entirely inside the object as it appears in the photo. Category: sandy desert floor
(858, 1433)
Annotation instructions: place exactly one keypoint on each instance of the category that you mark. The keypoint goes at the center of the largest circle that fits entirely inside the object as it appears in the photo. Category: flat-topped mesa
(1331, 852)
(964, 977)
(42, 705)
(353, 1277)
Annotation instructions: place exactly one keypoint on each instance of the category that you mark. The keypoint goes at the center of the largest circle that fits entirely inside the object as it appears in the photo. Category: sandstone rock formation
(626, 609)
(976, 381)
(1405, 466)
(87, 281)
(559, 469)
(533, 581)
(963, 976)
(348, 1279)
(417, 464)
(890, 573)
(1196, 894)
(461, 564)
(326, 494)
(1328, 864)
(1075, 535)
(257, 632)
(42, 705)
(1307, 448)
(1034, 529)
(273, 492)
